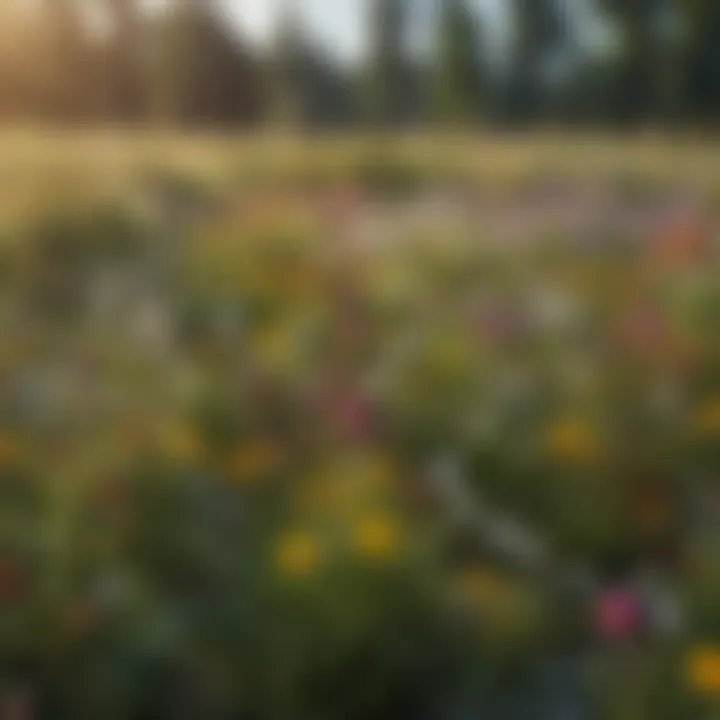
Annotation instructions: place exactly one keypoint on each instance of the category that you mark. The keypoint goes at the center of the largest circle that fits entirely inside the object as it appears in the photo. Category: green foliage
(540, 32)
(640, 91)
(699, 58)
(286, 63)
(459, 67)
(311, 494)
(387, 61)
(385, 176)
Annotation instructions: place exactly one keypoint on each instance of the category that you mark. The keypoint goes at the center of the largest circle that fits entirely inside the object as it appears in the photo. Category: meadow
(391, 427)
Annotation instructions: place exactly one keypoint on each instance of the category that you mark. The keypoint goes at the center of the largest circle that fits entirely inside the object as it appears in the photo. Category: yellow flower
(300, 281)
(254, 460)
(377, 537)
(707, 419)
(281, 345)
(9, 450)
(180, 442)
(344, 485)
(703, 670)
(573, 442)
(480, 588)
(392, 281)
(449, 350)
(276, 345)
(373, 471)
(298, 554)
(506, 612)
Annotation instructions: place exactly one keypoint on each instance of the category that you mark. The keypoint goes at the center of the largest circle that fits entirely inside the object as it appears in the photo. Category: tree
(127, 56)
(639, 70)
(204, 74)
(700, 57)
(286, 101)
(22, 69)
(539, 36)
(460, 79)
(387, 62)
(67, 58)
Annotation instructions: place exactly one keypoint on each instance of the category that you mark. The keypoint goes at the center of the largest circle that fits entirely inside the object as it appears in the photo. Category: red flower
(647, 332)
(682, 241)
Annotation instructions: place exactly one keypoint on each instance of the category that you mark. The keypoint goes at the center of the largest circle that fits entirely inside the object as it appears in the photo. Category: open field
(104, 150)
(419, 427)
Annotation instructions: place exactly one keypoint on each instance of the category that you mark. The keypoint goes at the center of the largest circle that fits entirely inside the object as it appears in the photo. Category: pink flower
(344, 205)
(347, 411)
(617, 614)
(353, 416)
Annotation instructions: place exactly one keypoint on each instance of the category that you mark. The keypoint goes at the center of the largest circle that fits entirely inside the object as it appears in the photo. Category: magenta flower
(618, 614)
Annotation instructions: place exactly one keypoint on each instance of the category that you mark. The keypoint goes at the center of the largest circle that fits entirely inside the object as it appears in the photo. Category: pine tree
(286, 101)
(179, 57)
(173, 47)
(700, 58)
(127, 59)
(639, 70)
(67, 50)
(203, 73)
(387, 62)
(459, 75)
(538, 33)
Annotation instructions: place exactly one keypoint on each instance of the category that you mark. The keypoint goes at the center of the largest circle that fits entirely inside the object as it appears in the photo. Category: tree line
(624, 62)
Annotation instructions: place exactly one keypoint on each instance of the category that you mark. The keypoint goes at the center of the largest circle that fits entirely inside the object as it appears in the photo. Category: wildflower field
(382, 429)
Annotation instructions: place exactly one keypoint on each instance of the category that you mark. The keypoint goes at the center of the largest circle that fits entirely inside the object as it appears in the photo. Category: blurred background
(340, 64)
(359, 360)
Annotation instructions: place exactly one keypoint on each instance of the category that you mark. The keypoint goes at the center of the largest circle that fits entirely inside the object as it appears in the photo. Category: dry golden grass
(42, 169)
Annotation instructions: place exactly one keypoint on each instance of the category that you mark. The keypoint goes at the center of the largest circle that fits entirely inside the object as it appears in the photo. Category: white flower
(554, 310)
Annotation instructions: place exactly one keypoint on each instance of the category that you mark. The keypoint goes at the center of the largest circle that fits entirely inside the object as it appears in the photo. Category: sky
(337, 24)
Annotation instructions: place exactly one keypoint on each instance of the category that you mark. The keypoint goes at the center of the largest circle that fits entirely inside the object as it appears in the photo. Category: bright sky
(338, 24)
